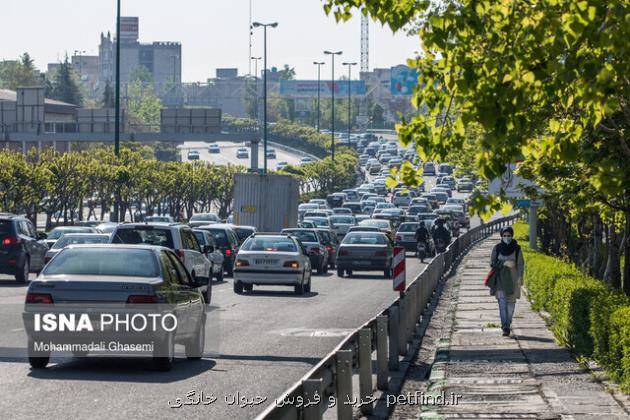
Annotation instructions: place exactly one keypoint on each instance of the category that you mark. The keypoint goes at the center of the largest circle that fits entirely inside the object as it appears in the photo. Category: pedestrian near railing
(390, 334)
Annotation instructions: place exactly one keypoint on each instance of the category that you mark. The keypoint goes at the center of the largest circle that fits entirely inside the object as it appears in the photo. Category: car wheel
(388, 273)
(339, 272)
(248, 287)
(320, 268)
(194, 348)
(220, 275)
(332, 265)
(299, 289)
(349, 272)
(37, 359)
(307, 288)
(22, 275)
(164, 354)
(238, 287)
(230, 271)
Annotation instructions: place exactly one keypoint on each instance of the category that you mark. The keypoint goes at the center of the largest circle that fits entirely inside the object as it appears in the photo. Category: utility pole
(349, 98)
(117, 111)
(332, 105)
(319, 65)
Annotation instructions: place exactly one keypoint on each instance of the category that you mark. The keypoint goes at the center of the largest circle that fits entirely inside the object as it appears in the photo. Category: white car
(214, 148)
(272, 260)
(402, 199)
(281, 165)
(193, 155)
(304, 207)
(242, 153)
(341, 223)
(320, 202)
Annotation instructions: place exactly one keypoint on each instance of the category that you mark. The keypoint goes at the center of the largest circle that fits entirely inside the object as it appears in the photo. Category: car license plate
(265, 262)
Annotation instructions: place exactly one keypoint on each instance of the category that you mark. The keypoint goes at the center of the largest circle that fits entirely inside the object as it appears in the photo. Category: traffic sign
(399, 269)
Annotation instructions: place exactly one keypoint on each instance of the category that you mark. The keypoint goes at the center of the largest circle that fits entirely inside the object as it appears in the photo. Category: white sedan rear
(272, 260)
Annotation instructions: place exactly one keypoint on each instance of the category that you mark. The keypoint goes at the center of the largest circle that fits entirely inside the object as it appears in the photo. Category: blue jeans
(506, 311)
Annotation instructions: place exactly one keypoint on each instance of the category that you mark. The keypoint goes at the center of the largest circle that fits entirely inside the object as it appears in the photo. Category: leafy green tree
(20, 73)
(65, 85)
(143, 105)
(109, 99)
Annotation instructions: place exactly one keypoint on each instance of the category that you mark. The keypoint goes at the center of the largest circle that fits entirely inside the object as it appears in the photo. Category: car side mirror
(40, 236)
(208, 249)
(200, 281)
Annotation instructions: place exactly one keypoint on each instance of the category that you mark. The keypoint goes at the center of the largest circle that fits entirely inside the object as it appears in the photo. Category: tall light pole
(319, 65)
(349, 98)
(117, 110)
(332, 105)
(265, 25)
(256, 59)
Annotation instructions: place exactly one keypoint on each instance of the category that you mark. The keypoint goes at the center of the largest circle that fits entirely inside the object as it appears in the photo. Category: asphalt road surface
(260, 344)
(228, 154)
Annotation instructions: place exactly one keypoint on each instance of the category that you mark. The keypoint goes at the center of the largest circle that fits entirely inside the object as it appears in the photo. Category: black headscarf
(504, 249)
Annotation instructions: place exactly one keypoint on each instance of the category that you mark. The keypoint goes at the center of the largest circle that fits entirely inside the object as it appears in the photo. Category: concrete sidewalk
(490, 376)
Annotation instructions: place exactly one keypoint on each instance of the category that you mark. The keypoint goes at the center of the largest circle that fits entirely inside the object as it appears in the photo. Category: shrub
(588, 317)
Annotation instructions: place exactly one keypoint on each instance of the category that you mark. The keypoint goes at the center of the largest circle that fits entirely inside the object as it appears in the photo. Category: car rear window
(303, 235)
(66, 240)
(58, 233)
(342, 219)
(365, 238)
(243, 233)
(220, 237)
(408, 227)
(148, 235)
(5, 228)
(122, 262)
(280, 244)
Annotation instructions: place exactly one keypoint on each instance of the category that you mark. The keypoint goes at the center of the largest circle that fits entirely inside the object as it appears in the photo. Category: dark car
(226, 241)
(335, 200)
(354, 206)
(243, 232)
(313, 243)
(133, 279)
(365, 251)
(331, 242)
(21, 251)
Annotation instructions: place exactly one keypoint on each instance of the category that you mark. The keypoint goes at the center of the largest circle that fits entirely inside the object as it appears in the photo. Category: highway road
(228, 154)
(261, 344)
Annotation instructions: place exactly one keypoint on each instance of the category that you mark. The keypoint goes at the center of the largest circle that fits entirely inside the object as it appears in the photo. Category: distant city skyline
(213, 34)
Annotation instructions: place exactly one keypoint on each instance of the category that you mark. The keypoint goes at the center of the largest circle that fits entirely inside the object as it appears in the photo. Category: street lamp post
(256, 59)
(319, 66)
(332, 105)
(117, 110)
(264, 26)
(349, 98)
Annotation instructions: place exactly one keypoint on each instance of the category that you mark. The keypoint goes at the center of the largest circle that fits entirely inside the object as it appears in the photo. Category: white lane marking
(17, 329)
(312, 332)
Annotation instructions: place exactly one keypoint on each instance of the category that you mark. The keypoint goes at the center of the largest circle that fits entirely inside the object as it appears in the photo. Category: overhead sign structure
(403, 80)
(308, 88)
(399, 269)
(512, 184)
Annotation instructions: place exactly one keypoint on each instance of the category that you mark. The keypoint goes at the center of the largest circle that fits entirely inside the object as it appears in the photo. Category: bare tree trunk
(626, 253)
(612, 275)
(597, 244)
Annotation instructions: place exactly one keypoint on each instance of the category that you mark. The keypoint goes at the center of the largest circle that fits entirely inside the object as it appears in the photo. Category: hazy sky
(213, 33)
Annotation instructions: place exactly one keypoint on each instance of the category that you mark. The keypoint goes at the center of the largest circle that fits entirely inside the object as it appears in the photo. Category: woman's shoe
(506, 332)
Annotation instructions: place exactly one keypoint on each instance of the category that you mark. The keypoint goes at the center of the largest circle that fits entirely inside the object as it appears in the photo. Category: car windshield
(408, 227)
(243, 233)
(123, 262)
(365, 238)
(204, 217)
(269, 244)
(71, 239)
(200, 238)
(381, 224)
(58, 233)
(148, 235)
(303, 235)
(342, 219)
(319, 221)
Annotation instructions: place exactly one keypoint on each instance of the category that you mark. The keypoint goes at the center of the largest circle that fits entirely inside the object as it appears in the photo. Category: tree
(287, 73)
(143, 105)
(65, 86)
(20, 73)
(109, 99)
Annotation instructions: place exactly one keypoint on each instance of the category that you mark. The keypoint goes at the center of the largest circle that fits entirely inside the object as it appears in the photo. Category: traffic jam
(160, 261)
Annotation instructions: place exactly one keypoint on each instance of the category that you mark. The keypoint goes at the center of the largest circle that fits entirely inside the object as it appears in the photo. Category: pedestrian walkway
(490, 376)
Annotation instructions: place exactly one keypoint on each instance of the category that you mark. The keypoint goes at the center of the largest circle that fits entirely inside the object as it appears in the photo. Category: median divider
(390, 333)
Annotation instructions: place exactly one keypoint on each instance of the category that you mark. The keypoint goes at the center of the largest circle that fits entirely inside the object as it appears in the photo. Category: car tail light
(343, 252)
(291, 264)
(46, 259)
(329, 248)
(228, 251)
(180, 253)
(11, 240)
(39, 298)
(241, 263)
(142, 299)
(380, 254)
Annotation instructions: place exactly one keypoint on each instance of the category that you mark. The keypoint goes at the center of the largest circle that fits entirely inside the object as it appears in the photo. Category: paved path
(523, 376)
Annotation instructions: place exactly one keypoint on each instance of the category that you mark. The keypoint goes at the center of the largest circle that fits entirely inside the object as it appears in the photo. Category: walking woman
(508, 265)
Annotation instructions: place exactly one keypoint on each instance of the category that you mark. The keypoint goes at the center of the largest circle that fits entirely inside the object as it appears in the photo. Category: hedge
(587, 317)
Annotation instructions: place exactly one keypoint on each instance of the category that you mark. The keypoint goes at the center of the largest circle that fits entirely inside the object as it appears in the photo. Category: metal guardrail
(389, 334)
